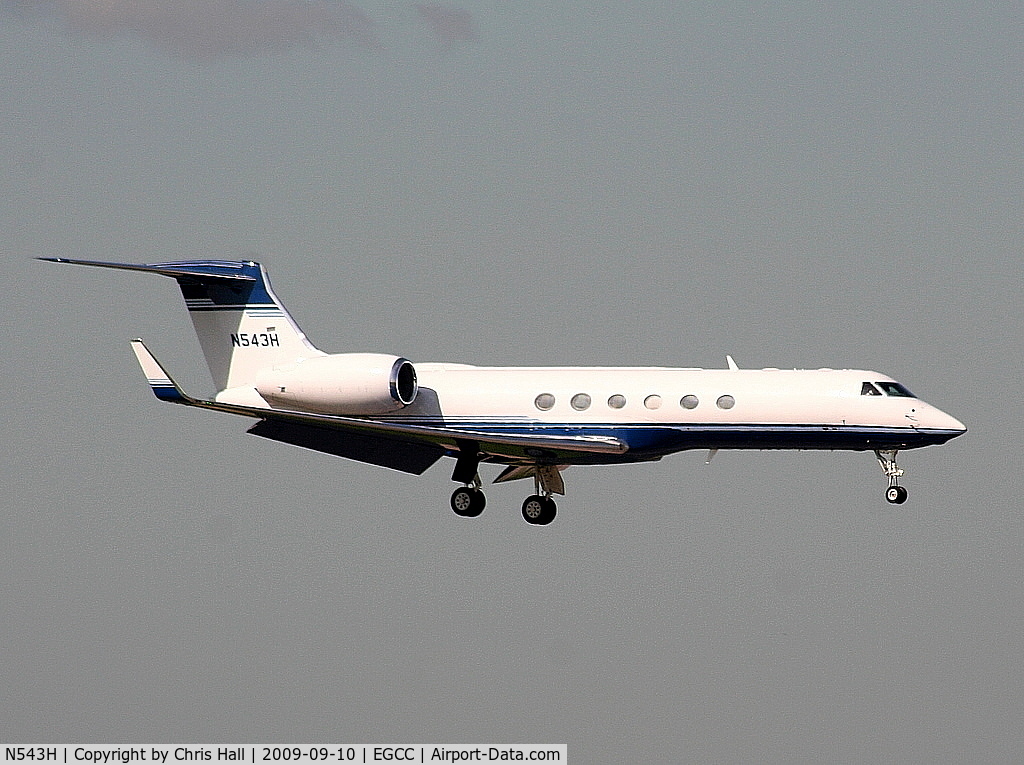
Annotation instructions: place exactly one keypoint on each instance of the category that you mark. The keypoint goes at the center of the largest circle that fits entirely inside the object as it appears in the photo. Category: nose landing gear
(895, 494)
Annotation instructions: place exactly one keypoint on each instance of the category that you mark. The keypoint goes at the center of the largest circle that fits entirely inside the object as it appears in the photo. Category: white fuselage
(657, 410)
(651, 395)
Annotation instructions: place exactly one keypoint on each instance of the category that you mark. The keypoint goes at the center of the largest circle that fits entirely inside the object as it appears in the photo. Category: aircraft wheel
(468, 502)
(538, 510)
(896, 495)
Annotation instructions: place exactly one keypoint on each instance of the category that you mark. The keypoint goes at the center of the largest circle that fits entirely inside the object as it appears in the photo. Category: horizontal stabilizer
(408, 457)
(202, 270)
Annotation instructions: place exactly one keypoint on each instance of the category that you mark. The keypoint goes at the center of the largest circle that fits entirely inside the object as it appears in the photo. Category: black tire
(468, 502)
(550, 511)
(538, 510)
(897, 495)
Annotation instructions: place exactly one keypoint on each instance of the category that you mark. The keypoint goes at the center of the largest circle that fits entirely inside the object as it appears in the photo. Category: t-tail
(242, 327)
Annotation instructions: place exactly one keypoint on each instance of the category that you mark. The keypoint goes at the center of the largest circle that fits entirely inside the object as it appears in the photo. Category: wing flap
(549, 475)
(391, 453)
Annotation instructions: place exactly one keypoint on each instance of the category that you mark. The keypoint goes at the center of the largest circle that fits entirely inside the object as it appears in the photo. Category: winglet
(164, 388)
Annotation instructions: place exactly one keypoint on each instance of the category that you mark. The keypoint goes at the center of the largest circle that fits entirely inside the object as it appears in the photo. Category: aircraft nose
(939, 420)
(955, 424)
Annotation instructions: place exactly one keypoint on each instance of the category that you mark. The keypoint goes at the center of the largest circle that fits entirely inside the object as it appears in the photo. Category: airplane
(383, 410)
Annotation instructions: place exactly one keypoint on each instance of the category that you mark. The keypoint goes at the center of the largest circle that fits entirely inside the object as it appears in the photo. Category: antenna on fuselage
(729, 360)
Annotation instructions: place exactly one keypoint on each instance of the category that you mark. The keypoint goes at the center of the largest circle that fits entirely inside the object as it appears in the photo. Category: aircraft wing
(401, 446)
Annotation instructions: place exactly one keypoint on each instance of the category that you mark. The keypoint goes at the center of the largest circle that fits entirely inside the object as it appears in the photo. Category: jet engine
(343, 383)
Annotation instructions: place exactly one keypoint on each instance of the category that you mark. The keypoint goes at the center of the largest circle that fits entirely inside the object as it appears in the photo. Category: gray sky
(799, 185)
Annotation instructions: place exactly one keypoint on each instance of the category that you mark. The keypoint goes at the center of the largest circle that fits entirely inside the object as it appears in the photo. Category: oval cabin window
(580, 402)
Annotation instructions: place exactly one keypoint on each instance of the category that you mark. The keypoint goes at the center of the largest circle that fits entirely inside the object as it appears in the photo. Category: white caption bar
(99, 754)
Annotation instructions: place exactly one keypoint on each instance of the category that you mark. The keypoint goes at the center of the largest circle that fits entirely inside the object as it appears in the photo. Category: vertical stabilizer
(242, 326)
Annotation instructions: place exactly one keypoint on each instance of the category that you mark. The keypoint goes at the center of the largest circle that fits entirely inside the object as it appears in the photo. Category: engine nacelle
(343, 383)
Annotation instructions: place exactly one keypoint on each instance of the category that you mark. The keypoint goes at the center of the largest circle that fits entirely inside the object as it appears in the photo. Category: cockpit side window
(894, 389)
(867, 389)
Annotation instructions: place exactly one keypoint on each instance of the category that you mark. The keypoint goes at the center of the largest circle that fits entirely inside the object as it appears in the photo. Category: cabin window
(726, 402)
(544, 401)
(689, 402)
(894, 389)
(617, 401)
(653, 402)
(580, 402)
(867, 389)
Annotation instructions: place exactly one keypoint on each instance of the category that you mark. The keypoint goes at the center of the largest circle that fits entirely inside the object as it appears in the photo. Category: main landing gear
(895, 494)
(469, 501)
(539, 509)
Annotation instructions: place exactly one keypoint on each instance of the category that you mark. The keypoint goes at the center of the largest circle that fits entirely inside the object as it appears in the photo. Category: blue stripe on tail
(210, 285)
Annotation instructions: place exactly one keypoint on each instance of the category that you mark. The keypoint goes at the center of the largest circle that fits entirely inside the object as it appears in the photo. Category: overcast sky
(798, 185)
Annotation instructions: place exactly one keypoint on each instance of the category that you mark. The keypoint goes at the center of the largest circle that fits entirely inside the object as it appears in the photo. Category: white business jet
(383, 410)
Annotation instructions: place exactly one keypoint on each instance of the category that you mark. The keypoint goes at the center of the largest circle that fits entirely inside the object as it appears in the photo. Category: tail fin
(241, 325)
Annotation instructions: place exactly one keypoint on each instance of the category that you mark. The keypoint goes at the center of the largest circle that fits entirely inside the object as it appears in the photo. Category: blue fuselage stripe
(650, 440)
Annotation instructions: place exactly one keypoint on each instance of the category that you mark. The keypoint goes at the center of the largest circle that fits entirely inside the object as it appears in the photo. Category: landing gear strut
(895, 494)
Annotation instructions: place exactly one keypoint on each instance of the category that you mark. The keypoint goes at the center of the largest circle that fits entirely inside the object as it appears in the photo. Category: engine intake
(343, 383)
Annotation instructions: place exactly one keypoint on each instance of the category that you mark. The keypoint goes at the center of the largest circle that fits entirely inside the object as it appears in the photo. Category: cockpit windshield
(894, 389)
(888, 387)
